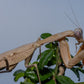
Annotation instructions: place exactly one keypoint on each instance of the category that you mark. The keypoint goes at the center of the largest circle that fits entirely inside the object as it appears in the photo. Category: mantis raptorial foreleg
(65, 54)
(80, 49)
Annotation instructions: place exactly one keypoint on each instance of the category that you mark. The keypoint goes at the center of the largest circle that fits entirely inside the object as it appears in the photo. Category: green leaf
(45, 35)
(66, 39)
(35, 62)
(46, 70)
(27, 81)
(45, 77)
(32, 75)
(52, 61)
(52, 45)
(19, 75)
(64, 80)
(80, 83)
(50, 82)
(76, 71)
(72, 56)
(45, 58)
(49, 45)
(81, 70)
(79, 64)
(18, 71)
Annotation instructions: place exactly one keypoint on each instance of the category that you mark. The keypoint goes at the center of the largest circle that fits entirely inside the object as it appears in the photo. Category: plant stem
(57, 64)
(56, 69)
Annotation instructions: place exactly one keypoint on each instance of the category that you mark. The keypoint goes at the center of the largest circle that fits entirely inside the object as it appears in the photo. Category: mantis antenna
(74, 14)
(71, 20)
(76, 23)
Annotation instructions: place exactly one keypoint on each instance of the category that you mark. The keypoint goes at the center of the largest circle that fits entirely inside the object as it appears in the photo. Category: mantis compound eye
(78, 32)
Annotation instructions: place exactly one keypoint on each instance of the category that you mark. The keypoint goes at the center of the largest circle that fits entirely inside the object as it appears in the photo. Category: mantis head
(78, 32)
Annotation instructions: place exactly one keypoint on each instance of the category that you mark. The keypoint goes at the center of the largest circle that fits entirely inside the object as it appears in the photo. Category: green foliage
(45, 35)
(80, 83)
(27, 81)
(64, 80)
(76, 71)
(18, 74)
(48, 66)
(45, 58)
(51, 82)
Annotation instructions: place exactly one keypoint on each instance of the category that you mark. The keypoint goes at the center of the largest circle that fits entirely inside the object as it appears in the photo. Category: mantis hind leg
(6, 61)
(8, 68)
(65, 54)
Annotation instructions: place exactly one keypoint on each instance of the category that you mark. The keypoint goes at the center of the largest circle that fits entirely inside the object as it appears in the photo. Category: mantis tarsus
(11, 58)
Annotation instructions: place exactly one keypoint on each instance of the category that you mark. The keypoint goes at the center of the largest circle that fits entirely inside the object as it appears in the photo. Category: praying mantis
(11, 58)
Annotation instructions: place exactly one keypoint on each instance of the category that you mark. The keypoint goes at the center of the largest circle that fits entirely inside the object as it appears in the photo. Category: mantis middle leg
(27, 60)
